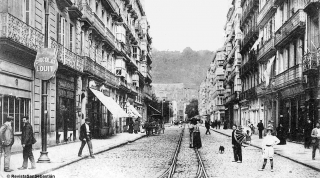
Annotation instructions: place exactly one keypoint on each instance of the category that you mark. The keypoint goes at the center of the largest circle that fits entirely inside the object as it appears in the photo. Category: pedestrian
(27, 140)
(267, 148)
(216, 123)
(219, 123)
(248, 136)
(307, 134)
(250, 125)
(315, 134)
(196, 136)
(207, 125)
(260, 128)
(130, 126)
(7, 140)
(191, 128)
(237, 152)
(136, 126)
(281, 134)
(86, 137)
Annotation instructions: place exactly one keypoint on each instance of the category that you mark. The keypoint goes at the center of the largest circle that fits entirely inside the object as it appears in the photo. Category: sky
(177, 24)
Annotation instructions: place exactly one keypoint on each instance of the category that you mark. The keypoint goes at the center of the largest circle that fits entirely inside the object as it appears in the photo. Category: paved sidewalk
(293, 151)
(66, 154)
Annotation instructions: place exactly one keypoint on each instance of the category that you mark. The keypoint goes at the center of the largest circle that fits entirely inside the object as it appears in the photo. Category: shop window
(15, 107)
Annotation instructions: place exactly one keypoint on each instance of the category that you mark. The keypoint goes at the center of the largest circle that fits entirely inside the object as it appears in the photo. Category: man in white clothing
(267, 148)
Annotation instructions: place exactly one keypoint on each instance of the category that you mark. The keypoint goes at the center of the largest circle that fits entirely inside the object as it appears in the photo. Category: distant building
(175, 92)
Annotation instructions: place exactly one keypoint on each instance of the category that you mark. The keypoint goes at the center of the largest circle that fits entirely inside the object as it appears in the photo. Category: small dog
(221, 149)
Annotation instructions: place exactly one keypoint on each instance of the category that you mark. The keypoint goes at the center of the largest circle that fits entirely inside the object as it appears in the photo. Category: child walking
(267, 148)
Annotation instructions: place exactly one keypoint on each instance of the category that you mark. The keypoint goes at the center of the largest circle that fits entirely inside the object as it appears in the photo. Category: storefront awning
(154, 109)
(111, 105)
(133, 112)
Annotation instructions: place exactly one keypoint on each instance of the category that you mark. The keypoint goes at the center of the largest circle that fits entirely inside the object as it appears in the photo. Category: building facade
(103, 52)
(232, 82)
(211, 91)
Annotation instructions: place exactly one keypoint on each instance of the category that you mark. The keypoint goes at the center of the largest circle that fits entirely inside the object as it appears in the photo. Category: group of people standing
(7, 140)
(134, 126)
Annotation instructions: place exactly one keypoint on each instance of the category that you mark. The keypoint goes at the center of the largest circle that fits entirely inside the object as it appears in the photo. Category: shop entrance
(66, 117)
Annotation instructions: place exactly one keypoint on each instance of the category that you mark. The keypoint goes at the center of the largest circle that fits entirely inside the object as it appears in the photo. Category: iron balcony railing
(252, 34)
(247, 10)
(268, 9)
(99, 25)
(266, 48)
(289, 77)
(16, 30)
(67, 57)
(294, 23)
(249, 94)
(310, 61)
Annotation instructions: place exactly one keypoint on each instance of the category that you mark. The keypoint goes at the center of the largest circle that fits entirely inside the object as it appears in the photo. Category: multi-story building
(310, 61)
(232, 83)
(211, 91)
(250, 98)
(218, 108)
(104, 57)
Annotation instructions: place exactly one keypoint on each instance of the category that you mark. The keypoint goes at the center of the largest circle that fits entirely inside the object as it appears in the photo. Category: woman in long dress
(196, 137)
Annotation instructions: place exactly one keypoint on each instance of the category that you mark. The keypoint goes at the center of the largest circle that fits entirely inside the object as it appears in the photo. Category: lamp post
(44, 115)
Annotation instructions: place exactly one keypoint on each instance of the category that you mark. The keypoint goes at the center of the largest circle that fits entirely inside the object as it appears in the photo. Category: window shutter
(58, 28)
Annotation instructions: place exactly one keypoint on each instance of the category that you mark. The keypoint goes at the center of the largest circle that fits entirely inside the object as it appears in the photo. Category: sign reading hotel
(46, 63)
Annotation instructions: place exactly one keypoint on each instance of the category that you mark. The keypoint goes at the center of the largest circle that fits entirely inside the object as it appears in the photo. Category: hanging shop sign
(46, 63)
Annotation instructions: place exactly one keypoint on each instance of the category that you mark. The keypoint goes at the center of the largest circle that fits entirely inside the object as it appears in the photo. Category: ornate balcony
(267, 50)
(311, 6)
(15, 35)
(87, 14)
(64, 3)
(89, 66)
(249, 95)
(233, 98)
(98, 26)
(110, 6)
(248, 10)
(100, 71)
(74, 11)
(250, 66)
(289, 77)
(250, 38)
(67, 57)
(266, 12)
(310, 63)
(292, 28)
(111, 79)
(231, 55)
(261, 89)
(109, 38)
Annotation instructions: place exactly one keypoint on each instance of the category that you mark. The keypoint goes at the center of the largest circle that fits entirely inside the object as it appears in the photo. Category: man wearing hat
(7, 140)
(267, 148)
(85, 137)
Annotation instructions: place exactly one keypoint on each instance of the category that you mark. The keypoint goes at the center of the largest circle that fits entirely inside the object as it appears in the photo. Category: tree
(192, 108)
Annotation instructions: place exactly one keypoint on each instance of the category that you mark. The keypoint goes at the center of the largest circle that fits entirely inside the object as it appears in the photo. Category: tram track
(171, 171)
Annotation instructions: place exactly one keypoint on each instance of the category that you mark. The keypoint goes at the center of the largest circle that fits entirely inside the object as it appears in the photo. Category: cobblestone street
(151, 156)
(220, 165)
(147, 157)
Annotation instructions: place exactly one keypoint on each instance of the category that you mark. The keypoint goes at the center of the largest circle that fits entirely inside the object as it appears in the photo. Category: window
(135, 52)
(15, 107)
(27, 10)
(71, 37)
(61, 21)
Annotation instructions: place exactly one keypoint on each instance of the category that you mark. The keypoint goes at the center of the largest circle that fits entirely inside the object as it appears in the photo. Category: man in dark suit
(260, 128)
(27, 140)
(237, 152)
(85, 137)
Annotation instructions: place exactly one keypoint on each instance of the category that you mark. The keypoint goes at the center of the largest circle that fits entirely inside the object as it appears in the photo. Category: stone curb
(85, 157)
(292, 159)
